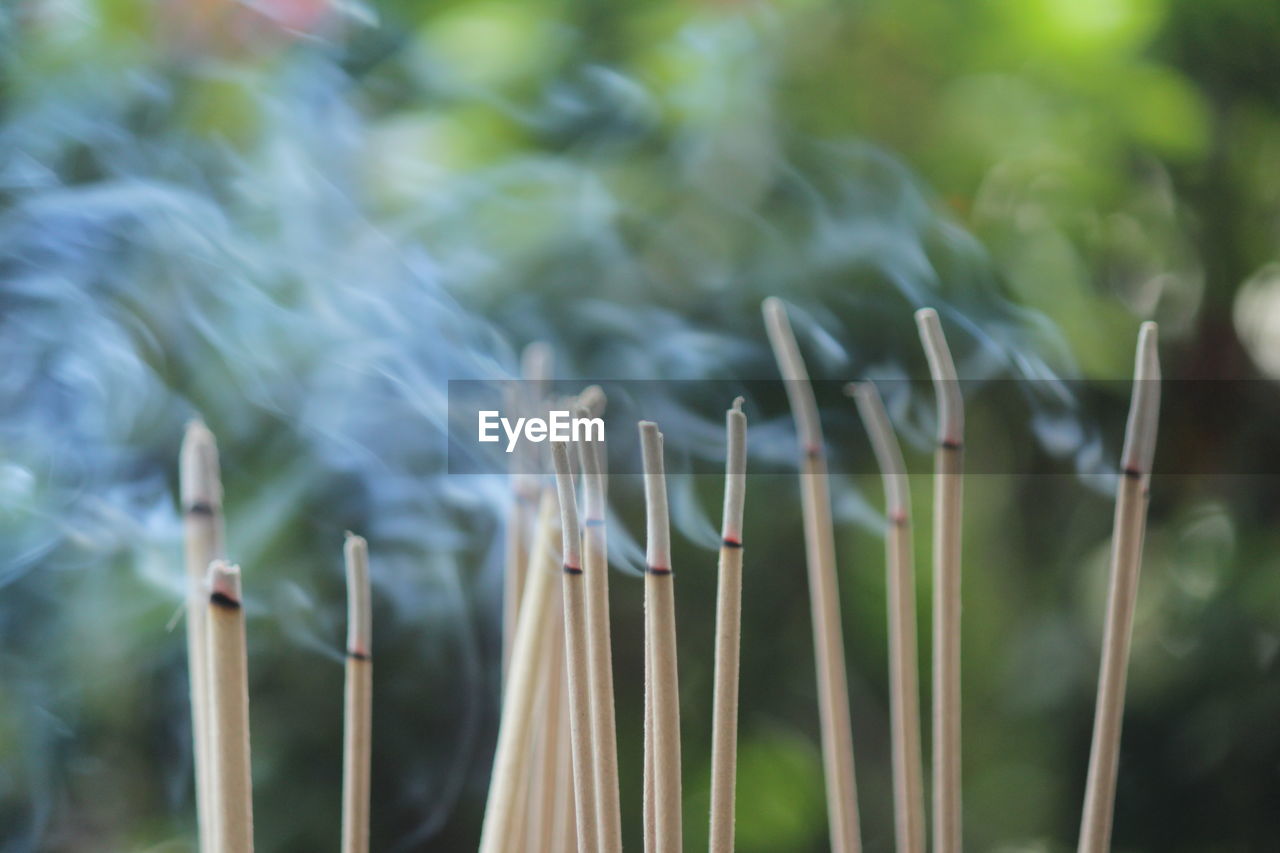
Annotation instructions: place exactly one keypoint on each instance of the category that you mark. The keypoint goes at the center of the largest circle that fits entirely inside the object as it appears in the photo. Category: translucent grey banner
(1013, 427)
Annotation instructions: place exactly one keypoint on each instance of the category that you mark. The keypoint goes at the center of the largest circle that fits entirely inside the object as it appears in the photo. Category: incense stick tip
(737, 403)
(1144, 405)
(593, 400)
(224, 584)
(946, 383)
(359, 606)
(200, 483)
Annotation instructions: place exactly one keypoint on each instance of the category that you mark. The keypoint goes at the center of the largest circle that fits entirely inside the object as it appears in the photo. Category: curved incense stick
(904, 695)
(357, 735)
(229, 690)
(947, 514)
(1126, 565)
(599, 645)
(523, 398)
(201, 495)
(575, 640)
(660, 626)
(824, 594)
(724, 713)
(513, 753)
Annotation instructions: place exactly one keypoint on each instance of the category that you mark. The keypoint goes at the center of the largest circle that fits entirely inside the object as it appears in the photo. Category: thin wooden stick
(357, 735)
(575, 643)
(660, 626)
(564, 835)
(229, 691)
(600, 645)
(1126, 566)
(724, 703)
(824, 593)
(546, 780)
(524, 398)
(904, 661)
(650, 805)
(201, 488)
(948, 501)
(528, 668)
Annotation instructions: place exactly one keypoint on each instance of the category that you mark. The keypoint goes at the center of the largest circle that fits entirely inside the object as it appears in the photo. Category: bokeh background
(301, 218)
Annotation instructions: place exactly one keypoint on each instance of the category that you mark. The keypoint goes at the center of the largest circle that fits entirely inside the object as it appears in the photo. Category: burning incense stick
(724, 713)
(660, 626)
(357, 732)
(600, 646)
(201, 494)
(947, 513)
(650, 808)
(229, 691)
(904, 694)
(824, 595)
(528, 668)
(575, 643)
(524, 398)
(1126, 565)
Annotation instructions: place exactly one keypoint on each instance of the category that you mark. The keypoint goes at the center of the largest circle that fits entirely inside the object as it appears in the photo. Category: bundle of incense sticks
(555, 780)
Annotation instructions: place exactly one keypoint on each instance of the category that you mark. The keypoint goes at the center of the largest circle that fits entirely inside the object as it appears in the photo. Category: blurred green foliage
(1115, 158)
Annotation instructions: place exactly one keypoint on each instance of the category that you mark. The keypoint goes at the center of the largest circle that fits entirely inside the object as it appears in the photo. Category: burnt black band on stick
(731, 543)
(221, 599)
(657, 570)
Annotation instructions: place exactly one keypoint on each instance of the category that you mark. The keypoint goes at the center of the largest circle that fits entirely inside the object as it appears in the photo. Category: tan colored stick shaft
(201, 493)
(574, 591)
(229, 689)
(1126, 564)
(584, 781)
(724, 702)
(357, 745)
(947, 509)
(1104, 756)
(604, 738)
(546, 784)
(528, 659)
(565, 835)
(650, 800)
(666, 713)
(357, 733)
(824, 594)
(908, 770)
(828, 643)
(724, 713)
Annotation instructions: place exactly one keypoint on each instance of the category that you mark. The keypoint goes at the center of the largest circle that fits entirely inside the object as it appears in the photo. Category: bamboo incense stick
(229, 692)
(660, 626)
(824, 595)
(549, 782)
(1126, 566)
(724, 713)
(357, 735)
(524, 398)
(513, 753)
(947, 514)
(599, 646)
(904, 694)
(575, 643)
(201, 494)
(650, 813)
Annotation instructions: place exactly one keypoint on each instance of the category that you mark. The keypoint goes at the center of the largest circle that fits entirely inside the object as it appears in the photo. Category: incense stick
(649, 814)
(660, 626)
(229, 691)
(201, 495)
(513, 753)
(600, 646)
(1126, 566)
(947, 514)
(523, 398)
(904, 694)
(824, 595)
(549, 779)
(357, 732)
(724, 705)
(575, 640)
